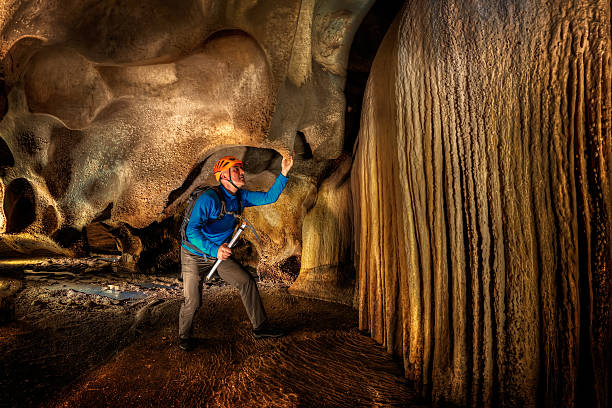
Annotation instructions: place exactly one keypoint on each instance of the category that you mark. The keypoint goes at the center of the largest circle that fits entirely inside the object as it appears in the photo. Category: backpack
(193, 197)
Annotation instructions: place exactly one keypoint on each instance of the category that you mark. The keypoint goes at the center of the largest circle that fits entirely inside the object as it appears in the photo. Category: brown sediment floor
(71, 349)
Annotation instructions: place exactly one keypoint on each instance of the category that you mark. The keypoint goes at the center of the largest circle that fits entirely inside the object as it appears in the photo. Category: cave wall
(115, 111)
(482, 205)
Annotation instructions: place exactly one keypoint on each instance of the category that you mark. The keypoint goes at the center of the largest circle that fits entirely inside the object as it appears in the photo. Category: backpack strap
(193, 197)
(223, 210)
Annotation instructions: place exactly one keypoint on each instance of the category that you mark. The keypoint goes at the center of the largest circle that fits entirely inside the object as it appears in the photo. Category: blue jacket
(206, 233)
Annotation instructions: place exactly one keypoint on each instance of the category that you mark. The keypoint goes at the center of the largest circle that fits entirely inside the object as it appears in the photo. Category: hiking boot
(265, 330)
(186, 344)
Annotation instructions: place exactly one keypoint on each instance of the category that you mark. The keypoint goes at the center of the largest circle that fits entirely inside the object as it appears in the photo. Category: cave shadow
(43, 361)
(56, 341)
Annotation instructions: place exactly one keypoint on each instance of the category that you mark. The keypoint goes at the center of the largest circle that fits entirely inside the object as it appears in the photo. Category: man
(208, 230)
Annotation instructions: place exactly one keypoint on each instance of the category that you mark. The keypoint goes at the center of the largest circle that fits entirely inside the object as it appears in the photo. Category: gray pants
(195, 268)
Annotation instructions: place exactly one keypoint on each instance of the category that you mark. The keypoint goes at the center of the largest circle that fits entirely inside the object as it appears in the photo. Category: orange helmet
(225, 163)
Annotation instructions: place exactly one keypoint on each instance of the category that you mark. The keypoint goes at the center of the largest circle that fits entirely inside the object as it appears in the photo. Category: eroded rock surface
(114, 111)
(482, 199)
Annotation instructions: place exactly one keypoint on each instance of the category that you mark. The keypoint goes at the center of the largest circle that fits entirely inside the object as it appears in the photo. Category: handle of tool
(230, 245)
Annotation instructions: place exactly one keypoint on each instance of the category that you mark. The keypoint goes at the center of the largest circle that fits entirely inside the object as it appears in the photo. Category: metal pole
(231, 244)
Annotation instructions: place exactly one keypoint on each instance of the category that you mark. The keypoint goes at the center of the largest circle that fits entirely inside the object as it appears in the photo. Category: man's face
(237, 175)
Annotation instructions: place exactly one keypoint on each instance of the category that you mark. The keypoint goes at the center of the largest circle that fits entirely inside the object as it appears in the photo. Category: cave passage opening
(19, 205)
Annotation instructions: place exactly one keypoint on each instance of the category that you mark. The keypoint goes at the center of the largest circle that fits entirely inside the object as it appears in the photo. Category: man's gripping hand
(224, 252)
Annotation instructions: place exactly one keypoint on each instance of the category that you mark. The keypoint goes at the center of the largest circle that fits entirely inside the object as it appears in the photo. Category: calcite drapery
(482, 201)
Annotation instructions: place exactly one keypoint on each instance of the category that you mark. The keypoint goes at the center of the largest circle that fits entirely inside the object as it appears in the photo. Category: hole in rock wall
(68, 237)
(19, 205)
(226, 33)
(301, 147)
(257, 160)
(161, 246)
(3, 97)
(290, 267)
(49, 220)
(6, 156)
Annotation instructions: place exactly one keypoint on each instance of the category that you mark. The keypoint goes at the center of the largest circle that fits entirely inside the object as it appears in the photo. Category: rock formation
(481, 189)
(477, 204)
(327, 233)
(114, 111)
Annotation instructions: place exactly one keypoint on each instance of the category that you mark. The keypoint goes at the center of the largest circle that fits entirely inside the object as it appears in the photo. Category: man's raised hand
(286, 164)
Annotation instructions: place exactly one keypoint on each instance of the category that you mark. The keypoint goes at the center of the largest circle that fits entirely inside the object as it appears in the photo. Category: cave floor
(67, 348)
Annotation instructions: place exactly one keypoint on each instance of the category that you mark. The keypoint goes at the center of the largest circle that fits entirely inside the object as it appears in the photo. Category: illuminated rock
(327, 271)
(121, 105)
(481, 188)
